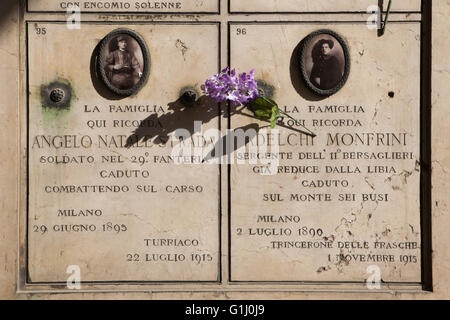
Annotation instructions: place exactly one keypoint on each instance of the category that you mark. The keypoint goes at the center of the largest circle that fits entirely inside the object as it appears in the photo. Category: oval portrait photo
(124, 62)
(325, 62)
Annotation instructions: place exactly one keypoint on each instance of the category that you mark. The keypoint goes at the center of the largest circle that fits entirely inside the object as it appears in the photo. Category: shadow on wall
(162, 126)
(7, 9)
(98, 84)
(180, 116)
(158, 128)
(296, 75)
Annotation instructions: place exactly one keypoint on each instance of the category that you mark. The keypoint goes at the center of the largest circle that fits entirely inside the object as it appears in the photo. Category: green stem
(271, 102)
(284, 113)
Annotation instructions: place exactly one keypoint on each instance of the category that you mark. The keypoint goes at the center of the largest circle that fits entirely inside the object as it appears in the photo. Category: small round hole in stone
(188, 97)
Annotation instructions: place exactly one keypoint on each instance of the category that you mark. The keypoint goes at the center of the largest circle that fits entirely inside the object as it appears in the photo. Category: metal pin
(386, 18)
(57, 95)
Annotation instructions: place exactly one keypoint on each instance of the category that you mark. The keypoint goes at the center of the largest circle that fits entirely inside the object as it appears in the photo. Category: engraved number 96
(241, 31)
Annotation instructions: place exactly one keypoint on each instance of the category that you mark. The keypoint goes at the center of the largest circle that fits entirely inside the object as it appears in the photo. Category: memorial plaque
(319, 6)
(105, 192)
(308, 147)
(341, 195)
(107, 6)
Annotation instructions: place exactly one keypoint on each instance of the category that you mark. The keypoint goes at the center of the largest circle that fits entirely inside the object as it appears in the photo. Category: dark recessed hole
(391, 94)
(188, 98)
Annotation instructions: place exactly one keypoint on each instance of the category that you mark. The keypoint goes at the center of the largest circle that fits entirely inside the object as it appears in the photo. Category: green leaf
(274, 116)
(264, 108)
(262, 113)
(268, 109)
(261, 107)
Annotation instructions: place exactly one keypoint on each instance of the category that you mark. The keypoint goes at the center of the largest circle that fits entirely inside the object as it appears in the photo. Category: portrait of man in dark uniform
(327, 70)
(122, 68)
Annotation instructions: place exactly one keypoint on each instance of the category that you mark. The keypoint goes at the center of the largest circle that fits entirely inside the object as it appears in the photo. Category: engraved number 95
(40, 31)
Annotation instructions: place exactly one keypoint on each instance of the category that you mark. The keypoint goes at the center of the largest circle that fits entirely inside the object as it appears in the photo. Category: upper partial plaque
(299, 6)
(140, 6)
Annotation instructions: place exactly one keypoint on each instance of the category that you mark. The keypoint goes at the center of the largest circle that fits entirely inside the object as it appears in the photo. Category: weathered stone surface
(101, 180)
(13, 143)
(334, 196)
(319, 6)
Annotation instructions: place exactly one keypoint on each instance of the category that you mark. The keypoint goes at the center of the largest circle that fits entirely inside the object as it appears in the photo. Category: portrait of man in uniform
(326, 71)
(324, 62)
(124, 62)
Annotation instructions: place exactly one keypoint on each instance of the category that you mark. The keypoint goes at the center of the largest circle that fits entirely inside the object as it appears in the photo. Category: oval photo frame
(324, 62)
(123, 62)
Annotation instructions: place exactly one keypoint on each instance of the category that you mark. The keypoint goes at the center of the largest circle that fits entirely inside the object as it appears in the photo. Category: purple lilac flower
(239, 89)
